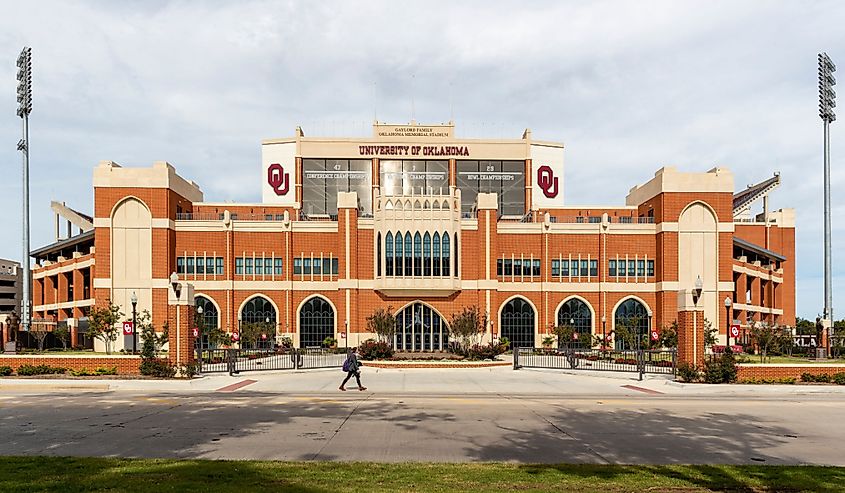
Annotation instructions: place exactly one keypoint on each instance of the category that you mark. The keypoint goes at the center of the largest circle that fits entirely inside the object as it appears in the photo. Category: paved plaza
(441, 415)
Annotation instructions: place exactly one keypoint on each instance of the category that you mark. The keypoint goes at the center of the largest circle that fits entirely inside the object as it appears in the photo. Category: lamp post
(134, 300)
(827, 101)
(696, 294)
(198, 341)
(728, 304)
(177, 290)
(24, 109)
(603, 331)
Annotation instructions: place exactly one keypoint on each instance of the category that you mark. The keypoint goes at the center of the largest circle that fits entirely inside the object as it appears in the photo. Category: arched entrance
(630, 324)
(209, 319)
(575, 313)
(517, 323)
(420, 328)
(257, 323)
(316, 322)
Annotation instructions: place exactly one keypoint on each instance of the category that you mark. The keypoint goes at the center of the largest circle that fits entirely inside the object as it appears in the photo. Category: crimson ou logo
(278, 179)
(547, 181)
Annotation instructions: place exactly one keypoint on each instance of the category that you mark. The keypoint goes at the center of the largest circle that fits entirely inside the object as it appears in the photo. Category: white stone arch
(622, 300)
(213, 302)
(698, 255)
(305, 300)
(702, 203)
(593, 324)
(533, 306)
(406, 305)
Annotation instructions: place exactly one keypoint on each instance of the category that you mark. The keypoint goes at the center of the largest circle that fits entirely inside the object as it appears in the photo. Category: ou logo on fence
(278, 179)
(547, 181)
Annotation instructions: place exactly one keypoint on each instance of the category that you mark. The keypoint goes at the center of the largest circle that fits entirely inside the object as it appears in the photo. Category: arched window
(399, 262)
(427, 255)
(208, 320)
(456, 255)
(409, 256)
(517, 323)
(257, 323)
(420, 328)
(316, 322)
(417, 254)
(446, 251)
(436, 254)
(631, 325)
(576, 314)
(388, 254)
(378, 256)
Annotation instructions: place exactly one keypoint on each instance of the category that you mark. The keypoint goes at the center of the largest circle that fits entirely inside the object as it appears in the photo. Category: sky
(628, 87)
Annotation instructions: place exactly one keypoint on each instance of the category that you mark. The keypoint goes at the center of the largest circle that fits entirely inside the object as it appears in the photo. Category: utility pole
(24, 109)
(827, 101)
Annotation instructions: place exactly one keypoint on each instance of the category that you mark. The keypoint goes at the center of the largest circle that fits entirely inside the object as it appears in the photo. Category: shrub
(688, 372)
(721, 369)
(486, 351)
(839, 378)
(5, 371)
(329, 341)
(27, 370)
(372, 349)
(782, 380)
(157, 368)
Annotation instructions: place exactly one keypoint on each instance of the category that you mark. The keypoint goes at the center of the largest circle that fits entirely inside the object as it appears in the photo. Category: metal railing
(642, 361)
(234, 361)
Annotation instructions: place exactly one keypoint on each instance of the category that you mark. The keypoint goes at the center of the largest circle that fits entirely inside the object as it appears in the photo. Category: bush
(157, 368)
(5, 371)
(782, 380)
(372, 349)
(721, 369)
(688, 372)
(28, 370)
(839, 378)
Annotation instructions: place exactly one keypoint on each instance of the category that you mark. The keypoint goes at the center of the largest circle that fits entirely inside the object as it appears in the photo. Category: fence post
(199, 358)
(640, 363)
(230, 361)
(516, 358)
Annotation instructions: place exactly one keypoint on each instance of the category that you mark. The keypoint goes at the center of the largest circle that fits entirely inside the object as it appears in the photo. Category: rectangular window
(508, 267)
(259, 266)
(594, 219)
(334, 266)
(297, 266)
(564, 268)
(632, 266)
(499, 267)
(318, 266)
(277, 267)
(239, 266)
(306, 266)
(517, 267)
(219, 266)
(584, 269)
(611, 268)
(189, 265)
(641, 268)
(180, 265)
(248, 264)
(209, 265)
(268, 267)
(594, 268)
(200, 265)
(650, 268)
(555, 268)
(625, 219)
(535, 268)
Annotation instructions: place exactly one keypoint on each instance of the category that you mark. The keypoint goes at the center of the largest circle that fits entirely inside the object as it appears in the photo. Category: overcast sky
(627, 86)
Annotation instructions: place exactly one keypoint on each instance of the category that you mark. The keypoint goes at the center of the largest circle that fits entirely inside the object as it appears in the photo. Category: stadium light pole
(827, 101)
(24, 109)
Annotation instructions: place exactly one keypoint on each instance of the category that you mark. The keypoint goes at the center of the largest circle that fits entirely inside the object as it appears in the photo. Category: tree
(669, 336)
(627, 331)
(768, 338)
(102, 324)
(152, 341)
(39, 331)
(710, 333)
(252, 332)
(382, 323)
(564, 334)
(467, 325)
(62, 333)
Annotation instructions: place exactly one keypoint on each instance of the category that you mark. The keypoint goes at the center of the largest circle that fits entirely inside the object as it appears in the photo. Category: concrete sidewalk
(433, 381)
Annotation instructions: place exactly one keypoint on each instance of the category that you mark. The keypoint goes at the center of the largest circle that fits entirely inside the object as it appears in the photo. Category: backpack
(347, 365)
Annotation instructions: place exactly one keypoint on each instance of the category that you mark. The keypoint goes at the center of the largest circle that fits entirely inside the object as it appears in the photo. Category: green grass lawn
(47, 474)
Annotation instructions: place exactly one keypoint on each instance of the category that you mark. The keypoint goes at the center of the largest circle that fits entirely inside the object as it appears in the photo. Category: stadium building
(418, 220)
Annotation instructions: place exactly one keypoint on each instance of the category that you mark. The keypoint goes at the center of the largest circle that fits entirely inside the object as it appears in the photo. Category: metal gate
(635, 361)
(234, 361)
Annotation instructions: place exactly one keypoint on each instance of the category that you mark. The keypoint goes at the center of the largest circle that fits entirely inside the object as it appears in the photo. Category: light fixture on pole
(728, 304)
(24, 109)
(177, 290)
(699, 287)
(827, 101)
(603, 331)
(134, 300)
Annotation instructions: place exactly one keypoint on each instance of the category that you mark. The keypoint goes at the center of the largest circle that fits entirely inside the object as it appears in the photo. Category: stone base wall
(785, 371)
(126, 365)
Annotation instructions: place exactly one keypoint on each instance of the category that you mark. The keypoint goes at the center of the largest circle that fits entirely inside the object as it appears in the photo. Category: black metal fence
(237, 360)
(642, 361)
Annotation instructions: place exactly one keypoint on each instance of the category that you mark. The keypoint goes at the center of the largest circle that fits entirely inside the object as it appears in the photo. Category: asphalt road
(629, 426)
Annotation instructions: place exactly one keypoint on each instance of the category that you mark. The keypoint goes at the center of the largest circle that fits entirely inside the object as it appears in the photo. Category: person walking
(351, 367)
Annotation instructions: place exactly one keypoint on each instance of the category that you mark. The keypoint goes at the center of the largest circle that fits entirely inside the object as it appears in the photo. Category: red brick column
(180, 322)
(690, 329)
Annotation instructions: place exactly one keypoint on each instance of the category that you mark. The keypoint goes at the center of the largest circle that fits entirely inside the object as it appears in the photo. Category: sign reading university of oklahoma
(278, 177)
(546, 176)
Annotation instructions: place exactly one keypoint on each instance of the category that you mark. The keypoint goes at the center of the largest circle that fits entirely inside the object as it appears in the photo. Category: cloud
(627, 86)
